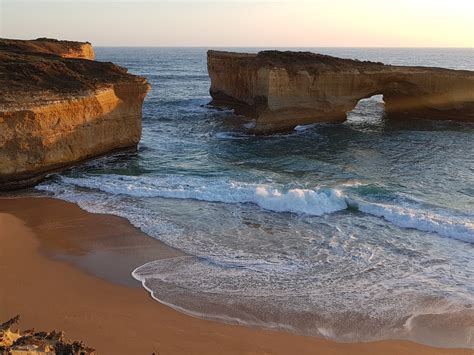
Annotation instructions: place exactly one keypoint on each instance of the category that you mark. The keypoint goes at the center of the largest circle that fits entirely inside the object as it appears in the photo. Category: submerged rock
(281, 90)
(55, 112)
(40, 343)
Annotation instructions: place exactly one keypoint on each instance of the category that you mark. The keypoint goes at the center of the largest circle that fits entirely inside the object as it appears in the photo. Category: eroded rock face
(55, 112)
(65, 49)
(281, 90)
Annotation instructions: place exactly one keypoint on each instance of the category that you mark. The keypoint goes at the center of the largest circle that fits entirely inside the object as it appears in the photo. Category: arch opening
(369, 109)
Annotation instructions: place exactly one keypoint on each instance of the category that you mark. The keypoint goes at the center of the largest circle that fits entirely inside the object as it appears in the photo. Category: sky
(244, 23)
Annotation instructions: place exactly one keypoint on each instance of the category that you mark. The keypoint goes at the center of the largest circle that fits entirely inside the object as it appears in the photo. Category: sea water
(355, 232)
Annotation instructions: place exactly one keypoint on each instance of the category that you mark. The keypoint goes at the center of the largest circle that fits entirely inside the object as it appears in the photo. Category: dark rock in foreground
(41, 343)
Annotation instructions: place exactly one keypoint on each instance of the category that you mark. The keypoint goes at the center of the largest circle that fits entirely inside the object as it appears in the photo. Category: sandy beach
(64, 268)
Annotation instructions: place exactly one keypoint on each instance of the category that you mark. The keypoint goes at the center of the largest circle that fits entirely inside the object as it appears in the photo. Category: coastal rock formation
(281, 90)
(39, 343)
(56, 111)
(65, 49)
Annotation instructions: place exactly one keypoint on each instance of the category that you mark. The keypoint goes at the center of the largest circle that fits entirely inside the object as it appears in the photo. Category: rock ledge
(65, 49)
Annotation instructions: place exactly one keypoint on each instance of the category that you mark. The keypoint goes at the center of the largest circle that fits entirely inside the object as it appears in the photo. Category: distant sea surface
(356, 231)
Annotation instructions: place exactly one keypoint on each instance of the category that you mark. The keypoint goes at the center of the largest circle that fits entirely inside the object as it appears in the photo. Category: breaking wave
(279, 198)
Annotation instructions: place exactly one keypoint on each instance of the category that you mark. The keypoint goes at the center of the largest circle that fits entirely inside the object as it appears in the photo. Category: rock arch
(281, 90)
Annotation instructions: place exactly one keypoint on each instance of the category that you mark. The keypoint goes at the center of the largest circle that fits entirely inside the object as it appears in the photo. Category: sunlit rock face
(65, 49)
(55, 112)
(281, 90)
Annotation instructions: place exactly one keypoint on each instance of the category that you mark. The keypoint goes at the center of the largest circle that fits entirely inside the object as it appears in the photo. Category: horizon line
(264, 46)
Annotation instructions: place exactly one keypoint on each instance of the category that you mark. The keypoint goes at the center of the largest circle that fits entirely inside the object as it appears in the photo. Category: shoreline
(74, 269)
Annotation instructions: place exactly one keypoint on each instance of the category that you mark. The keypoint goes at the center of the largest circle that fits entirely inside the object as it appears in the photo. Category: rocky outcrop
(65, 49)
(37, 343)
(55, 112)
(281, 90)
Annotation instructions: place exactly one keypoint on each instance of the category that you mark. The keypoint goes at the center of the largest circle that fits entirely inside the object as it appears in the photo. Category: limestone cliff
(65, 49)
(281, 90)
(55, 112)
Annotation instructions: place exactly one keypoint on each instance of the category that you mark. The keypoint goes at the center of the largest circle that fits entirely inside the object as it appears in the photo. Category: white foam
(269, 298)
(251, 124)
(306, 201)
(460, 227)
(277, 198)
(302, 128)
(309, 201)
(231, 135)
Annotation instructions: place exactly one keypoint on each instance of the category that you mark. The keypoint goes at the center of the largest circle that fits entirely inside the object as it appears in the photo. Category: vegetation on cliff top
(28, 76)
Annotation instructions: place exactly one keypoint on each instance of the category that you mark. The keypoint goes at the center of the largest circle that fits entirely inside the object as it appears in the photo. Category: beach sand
(67, 269)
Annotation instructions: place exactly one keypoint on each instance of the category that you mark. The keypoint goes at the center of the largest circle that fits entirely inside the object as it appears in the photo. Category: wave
(376, 302)
(445, 223)
(280, 198)
(309, 201)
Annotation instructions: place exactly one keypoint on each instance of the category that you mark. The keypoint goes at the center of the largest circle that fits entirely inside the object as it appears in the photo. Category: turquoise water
(356, 231)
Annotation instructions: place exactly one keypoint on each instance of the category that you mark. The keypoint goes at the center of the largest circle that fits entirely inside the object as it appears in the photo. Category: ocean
(355, 232)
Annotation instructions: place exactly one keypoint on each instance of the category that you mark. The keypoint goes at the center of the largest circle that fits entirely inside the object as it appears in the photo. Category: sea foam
(446, 223)
(256, 273)
(309, 201)
(279, 198)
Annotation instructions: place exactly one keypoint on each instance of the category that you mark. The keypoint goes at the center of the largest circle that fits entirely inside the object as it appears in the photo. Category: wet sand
(64, 268)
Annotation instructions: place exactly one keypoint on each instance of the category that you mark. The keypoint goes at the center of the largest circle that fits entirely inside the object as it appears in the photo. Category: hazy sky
(310, 23)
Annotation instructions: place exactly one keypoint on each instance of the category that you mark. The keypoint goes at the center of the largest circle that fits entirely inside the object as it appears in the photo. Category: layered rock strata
(281, 90)
(55, 112)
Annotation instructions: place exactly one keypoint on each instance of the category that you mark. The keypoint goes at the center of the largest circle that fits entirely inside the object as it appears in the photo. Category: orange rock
(281, 90)
(55, 112)
(65, 49)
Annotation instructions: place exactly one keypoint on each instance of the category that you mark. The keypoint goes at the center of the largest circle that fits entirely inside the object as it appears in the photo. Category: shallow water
(357, 231)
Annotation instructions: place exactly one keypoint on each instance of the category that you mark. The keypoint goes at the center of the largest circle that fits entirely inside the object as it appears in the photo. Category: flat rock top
(316, 63)
(311, 60)
(42, 45)
(26, 77)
